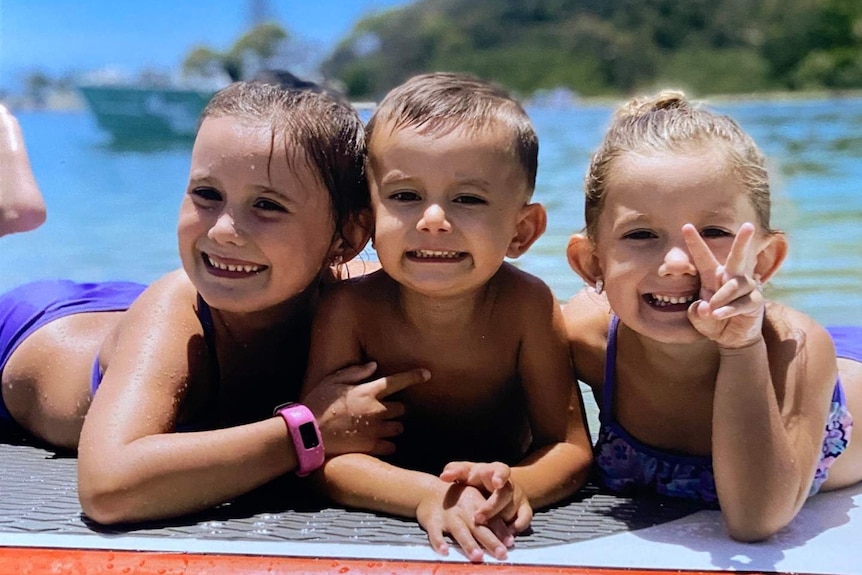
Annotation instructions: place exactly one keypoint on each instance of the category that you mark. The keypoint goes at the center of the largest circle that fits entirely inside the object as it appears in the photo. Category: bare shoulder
(357, 297)
(364, 288)
(793, 337)
(166, 309)
(173, 293)
(515, 287)
(587, 317)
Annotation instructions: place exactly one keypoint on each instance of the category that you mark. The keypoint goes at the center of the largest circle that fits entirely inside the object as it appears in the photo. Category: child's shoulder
(518, 282)
(587, 318)
(795, 333)
(169, 291)
(587, 315)
(375, 288)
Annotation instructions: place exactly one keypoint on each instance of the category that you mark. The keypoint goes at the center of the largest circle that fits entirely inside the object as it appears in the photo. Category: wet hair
(441, 102)
(288, 80)
(668, 122)
(326, 130)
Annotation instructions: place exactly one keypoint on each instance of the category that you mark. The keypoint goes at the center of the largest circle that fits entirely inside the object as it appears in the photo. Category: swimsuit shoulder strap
(610, 369)
(205, 316)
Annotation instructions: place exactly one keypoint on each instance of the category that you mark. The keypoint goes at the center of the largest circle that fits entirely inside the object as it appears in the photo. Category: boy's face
(445, 206)
(254, 228)
(649, 275)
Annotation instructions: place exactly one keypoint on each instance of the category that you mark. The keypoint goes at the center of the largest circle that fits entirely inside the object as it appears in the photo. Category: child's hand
(505, 500)
(730, 309)
(352, 416)
(452, 509)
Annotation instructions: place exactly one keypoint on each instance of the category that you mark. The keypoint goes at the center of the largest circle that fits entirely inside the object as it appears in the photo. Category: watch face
(310, 440)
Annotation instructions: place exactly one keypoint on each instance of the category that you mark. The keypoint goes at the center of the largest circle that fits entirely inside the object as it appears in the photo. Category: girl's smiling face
(256, 225)
(648, 273)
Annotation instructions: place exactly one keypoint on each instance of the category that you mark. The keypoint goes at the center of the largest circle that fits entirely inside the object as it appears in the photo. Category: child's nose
(226, 230)
(434, 220)
(677, 261)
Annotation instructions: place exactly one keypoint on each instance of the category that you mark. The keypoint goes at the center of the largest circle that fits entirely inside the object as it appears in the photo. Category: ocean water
(112, 209)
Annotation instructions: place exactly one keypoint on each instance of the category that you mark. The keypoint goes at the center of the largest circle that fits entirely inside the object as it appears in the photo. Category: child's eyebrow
(632, 218)
(283, 195)
(394, 176)
(202, 177)
(474, 182)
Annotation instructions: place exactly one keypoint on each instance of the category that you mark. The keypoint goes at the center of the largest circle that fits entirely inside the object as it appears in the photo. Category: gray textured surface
(38, 495)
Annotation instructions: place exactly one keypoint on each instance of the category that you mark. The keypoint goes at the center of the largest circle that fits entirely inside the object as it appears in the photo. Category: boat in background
(152, 107)
(137, 113)
(158, 109)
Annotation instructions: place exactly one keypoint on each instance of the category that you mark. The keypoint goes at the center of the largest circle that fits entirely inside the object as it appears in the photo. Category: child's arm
(366, 482)
(132, 466)
(771, 396)
(21, 205)
(362, 481)
(562, 454)
(560, 461)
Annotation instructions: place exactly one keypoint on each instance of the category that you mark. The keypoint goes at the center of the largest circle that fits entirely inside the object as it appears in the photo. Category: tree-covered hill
(597, 47)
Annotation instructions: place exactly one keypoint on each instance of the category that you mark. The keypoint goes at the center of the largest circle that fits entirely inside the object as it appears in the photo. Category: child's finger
(496, 504)
(456, 471)
(740, 260)
(463, 536)
(390, 384)
(502, 531)
(438, 542)
(701, 255)
(523, 518)
(745, 306)
(490, 542)
(739, 293)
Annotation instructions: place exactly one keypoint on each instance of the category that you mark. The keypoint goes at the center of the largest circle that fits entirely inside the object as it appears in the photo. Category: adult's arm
(22, 207)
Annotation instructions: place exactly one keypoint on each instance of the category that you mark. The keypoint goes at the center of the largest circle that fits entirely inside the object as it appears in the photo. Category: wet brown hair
(440, 102)
(326, 130)
(668, 122)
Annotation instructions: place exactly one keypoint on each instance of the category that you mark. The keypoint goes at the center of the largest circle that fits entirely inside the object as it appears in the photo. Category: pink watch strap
(305, 435)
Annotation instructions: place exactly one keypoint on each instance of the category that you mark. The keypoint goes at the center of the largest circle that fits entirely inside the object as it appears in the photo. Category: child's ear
(353, 238)
(771, 256)
(581, 253)
(532, 221)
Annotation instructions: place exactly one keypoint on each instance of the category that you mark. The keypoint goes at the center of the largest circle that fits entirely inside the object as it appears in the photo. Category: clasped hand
(479, 505)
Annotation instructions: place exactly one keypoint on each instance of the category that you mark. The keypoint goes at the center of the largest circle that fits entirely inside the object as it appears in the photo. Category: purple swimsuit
(26, 308)
(625, 464)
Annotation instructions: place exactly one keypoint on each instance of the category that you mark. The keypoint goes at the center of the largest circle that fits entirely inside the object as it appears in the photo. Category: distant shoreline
(71, 101)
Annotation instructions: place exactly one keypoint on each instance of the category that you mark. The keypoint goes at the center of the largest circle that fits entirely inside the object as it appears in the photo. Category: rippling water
(112, 209)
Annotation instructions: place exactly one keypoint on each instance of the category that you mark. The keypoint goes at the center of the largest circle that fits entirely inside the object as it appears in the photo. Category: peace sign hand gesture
(730, 309)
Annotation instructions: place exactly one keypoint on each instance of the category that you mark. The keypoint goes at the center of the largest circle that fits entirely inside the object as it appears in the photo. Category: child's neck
(431, 311)
(691, 361)
(281, 321)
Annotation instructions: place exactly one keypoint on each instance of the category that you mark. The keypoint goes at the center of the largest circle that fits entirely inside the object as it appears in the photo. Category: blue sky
(57, 37)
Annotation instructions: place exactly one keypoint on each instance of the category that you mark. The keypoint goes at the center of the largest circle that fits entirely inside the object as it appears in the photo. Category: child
(707, 390)
(275, 198)
(21, 205)
(452, 166)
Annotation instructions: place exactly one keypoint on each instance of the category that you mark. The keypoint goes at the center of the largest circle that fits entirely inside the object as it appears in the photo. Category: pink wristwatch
(303, 431)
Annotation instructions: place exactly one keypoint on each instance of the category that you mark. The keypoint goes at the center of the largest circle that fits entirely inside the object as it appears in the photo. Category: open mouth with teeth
(224, 269)
(436, 256)
(669, 303)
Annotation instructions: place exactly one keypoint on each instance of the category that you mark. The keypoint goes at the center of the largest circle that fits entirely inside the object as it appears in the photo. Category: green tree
(203, 61)
(253, 49)
(249, 53)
